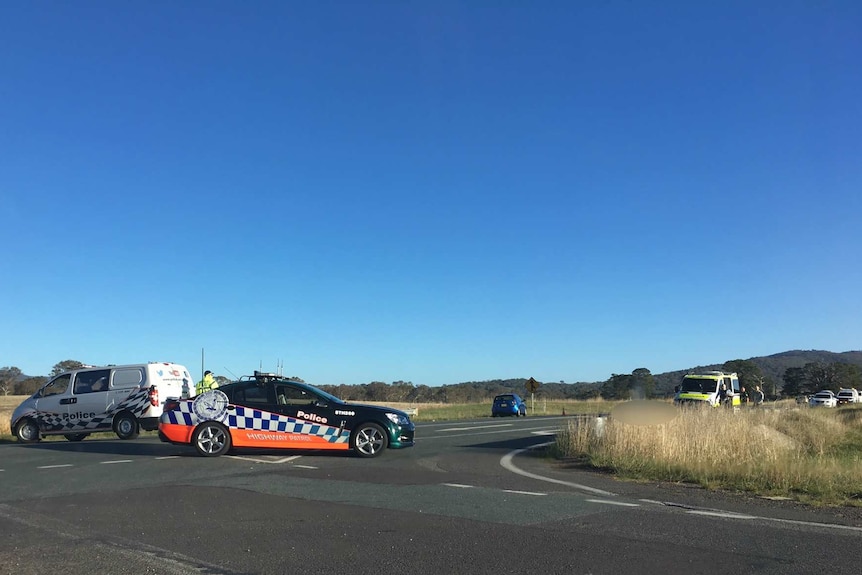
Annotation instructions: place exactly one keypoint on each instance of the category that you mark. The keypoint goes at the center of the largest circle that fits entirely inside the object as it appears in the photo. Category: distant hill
(772, 366)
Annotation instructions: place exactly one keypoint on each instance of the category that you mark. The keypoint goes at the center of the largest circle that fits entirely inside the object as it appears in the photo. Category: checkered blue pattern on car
(136, 403)
(258, 420)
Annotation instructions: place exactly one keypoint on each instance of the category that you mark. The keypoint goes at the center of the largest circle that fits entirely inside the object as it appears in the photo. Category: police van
(706, 389)
(119, 398)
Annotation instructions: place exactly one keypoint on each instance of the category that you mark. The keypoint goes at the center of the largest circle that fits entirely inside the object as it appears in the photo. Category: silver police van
(119, 398)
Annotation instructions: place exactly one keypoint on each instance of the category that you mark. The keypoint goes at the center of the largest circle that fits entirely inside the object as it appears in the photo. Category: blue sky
(432, 192)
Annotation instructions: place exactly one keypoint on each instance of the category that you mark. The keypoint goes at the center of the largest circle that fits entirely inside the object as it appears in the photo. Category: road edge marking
(506, 463)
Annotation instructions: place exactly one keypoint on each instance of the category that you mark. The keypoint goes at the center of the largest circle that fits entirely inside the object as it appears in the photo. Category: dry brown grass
(814, 454)
(8, 403)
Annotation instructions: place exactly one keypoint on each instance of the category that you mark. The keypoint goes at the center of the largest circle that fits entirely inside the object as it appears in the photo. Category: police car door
(90, 390)
(54, 401)
(299, 403)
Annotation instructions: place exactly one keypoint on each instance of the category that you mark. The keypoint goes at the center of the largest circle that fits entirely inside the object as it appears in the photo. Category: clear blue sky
(432, 192)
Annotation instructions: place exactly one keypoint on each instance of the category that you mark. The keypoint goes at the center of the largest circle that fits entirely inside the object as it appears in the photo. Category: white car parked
(823, 398)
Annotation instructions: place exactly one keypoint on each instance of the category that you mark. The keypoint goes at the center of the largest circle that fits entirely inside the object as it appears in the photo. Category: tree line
(639, 384)
(13, 382)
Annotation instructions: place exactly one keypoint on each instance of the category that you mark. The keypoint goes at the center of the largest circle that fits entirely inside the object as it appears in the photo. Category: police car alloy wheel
(126, 426)
(211, 439)
(27, 431)
(369, 440)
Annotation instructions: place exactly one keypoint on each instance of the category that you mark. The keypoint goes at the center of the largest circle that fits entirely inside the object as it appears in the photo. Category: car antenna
(230, 372)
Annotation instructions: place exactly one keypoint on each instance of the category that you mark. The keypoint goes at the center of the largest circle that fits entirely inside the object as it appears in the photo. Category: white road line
(116, 461)
(306, 466)
(524, 492)
(732, 515)
(169, 457)
(54, 466)
(286, 459)
(545, 432)
(506, 462)
(507, 430)
(540, 417)
(270, 461)
(459, 485)
(476, 427)
(620, 503)
(812, 524)
(724, 514)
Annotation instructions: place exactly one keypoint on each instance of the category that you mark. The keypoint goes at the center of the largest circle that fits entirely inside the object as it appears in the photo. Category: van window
(90, 381)
(57, 386)
(125, 378)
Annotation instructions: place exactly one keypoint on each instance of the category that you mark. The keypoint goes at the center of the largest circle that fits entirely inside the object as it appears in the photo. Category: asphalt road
(470, 497)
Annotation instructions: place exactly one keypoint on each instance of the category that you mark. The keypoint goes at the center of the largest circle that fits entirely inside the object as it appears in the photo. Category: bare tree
(8, 378)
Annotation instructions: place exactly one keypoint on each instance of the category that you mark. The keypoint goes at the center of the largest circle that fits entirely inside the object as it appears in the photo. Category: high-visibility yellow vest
(206, 384)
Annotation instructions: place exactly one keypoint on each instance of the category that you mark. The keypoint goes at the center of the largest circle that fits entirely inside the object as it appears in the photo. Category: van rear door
(168, 379)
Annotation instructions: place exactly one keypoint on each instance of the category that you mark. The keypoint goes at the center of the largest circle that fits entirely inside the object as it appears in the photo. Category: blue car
(508, 404)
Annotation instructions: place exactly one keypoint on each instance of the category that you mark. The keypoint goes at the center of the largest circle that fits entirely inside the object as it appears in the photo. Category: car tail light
(154, 396)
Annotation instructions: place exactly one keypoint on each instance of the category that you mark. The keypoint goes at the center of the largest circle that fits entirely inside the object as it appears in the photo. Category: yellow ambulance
(713, 388)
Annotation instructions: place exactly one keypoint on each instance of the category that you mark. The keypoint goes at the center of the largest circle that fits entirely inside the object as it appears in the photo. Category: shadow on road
(109, 446)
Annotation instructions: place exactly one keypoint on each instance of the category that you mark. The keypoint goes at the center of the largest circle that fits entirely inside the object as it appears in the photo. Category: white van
(119, 398)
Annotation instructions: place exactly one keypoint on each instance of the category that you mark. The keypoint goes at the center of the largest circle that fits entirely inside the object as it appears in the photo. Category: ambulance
(705, 389)
(119, 398)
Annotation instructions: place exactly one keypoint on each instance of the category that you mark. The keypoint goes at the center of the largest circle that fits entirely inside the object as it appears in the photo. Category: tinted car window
(58, 386)
(290, 395)
(90, 381)
(250, 393)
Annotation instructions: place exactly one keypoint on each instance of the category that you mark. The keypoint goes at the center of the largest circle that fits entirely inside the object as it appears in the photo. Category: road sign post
(532, 387)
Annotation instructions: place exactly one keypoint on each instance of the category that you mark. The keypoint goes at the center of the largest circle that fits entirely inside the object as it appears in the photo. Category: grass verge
(812, 455)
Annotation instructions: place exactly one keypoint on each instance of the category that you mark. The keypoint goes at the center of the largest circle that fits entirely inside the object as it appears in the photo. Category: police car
(269, 411)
